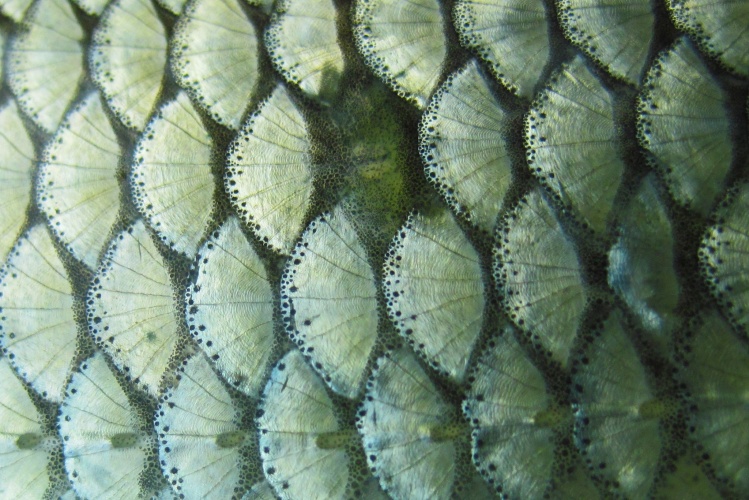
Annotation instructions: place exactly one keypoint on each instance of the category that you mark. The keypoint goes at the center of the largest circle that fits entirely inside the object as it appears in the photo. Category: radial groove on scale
(230, 308)
(617, 34)
(45, 62)
(24, 446)
(128, 58)
(683, 121)
(572, 146)
(716, 373)
(464, 149)
(330, 304)
(104, 443)
(514, 421)
(641, 262)
(199, 436)
(304, 450)
(724, 255)
(404, 44)
(16, 168)
(618, 415)
(434, 290)
(539, 275)
(78, 189)
(302, 42)
(719, 27)
(131, 309)
(512, 36)
(37, 328)
(268, 174)
(408, 430)
(171, 177)
(215, 57)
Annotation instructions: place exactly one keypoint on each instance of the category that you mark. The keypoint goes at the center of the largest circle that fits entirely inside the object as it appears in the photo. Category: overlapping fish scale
(215, 57)
(127, 58)
(200, 434)
(230, 308)
(617, 34)
(302, 41)
(683, 121)
(78, 189)
(38, 331)
(16, 174)
(131, 308)
(45, 62)
(463, 144)
(171, 176)
(572, 141)
(512, 36)
(434, 290)
(718, 27)
(269, 172)
(404, 44)
(330, 304)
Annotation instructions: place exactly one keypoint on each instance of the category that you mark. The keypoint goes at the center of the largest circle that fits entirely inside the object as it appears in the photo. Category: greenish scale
(124, 440)
(28, 441)
(335, 439)
(230, 439)
(447, 432)
(655, 408)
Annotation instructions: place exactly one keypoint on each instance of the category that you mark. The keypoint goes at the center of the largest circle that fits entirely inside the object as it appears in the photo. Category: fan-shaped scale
(215, 57)
(615, 33)
(717, 376)
(571, 139)
(462, 144)
(539, 275)
(15, 9)
(719, 27)
(16, 164)
(37, 323)
(302, 42)
(199, 436)
(513, 420)
(617, 414)
(512, 36)
(130, 307)
(78, 188)
(92, 7)
(329, 292)
(724, 255)
(173, 6)
(683, 122)
(408, 430)
(23, 453)
(103, 443)
(302, 445)
(230, 308)
(128, 58)
(641, 262)
(404, 43)
(269, 175)
(434, 290)
(45, 62)
(171, 176)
